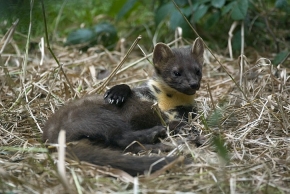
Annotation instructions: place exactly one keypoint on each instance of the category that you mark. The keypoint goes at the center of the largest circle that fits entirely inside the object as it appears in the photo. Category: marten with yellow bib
(101, 126)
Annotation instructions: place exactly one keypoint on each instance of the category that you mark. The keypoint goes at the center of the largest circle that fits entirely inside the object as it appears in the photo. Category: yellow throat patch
(169, 98)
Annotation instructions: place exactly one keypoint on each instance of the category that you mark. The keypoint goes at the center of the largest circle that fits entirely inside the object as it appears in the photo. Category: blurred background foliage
(77, 21)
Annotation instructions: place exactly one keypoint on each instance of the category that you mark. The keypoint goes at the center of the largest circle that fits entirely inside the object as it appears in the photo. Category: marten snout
(194, 85)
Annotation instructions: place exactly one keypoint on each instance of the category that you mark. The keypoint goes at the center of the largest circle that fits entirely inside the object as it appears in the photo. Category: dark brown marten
(100, 127)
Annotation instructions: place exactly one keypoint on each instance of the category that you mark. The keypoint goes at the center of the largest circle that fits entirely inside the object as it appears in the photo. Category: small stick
(24, 67)
(156, 109)
(242, 57)
(58, 19)
(61, 159)
(146, 57)
(8, 35)
(50, 50)
(114, 72)
(167, 167)
(233, 27)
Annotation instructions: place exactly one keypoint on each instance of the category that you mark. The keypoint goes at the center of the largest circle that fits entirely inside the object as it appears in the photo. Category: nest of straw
(249, 111)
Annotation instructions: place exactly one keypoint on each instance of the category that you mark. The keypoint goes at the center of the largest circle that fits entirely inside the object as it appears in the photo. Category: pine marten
(102, 125)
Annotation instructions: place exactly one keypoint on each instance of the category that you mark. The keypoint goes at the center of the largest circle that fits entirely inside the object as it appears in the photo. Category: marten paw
(117, 94)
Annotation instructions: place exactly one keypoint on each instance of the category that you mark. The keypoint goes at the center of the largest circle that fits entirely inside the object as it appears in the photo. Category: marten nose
(194, 85)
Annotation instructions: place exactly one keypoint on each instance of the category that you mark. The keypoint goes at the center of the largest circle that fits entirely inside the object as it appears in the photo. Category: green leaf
(203, 1)
(115, 7)
(106, 34)
(213, 19)
(200, 12)
(187, 11)
(239, 9)
(80, 36)
(105, 27)
(280, 57)
(281, 4)
(163, 11)
(228, 8)
(127, 7)
(177, 20)
(181, 3)
(218, 3)
(103, 33)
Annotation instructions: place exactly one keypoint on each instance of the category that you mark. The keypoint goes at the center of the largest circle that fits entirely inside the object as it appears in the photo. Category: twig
(33, 117)
(114, 72)
(146, 57)
(76, 181)
(50, 50)
(242, 57)
(85, 59)
(233, 27)
(167, 167)
(41, 48)
(24, 67)
(48, 92)
(178, 34)
(20, 96)
(61, 159)
(7, 75)
(144, 54)
(156, 109)
(58, 19)
(8, 36)
(12, 134)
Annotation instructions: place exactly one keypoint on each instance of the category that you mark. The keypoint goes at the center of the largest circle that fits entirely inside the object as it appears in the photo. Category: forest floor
(246, 126)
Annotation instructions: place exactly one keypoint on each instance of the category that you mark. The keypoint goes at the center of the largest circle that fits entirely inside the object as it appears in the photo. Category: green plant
(62, 16)
(266, 26)
(103, 33)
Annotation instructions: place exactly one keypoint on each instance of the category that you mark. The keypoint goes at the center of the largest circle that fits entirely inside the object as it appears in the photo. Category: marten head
(180, 68)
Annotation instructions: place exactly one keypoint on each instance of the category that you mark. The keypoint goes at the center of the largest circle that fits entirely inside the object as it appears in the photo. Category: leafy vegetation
(266, 22)
(101, 34)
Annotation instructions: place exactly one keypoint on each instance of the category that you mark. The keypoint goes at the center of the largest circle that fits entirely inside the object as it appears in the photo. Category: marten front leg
(118, 94)
(145, 138)
(148, 139)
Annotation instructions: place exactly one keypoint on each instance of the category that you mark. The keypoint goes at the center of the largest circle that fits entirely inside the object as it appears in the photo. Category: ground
(244, 117)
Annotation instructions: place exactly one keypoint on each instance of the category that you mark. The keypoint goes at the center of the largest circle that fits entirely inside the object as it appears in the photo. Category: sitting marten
(102, 126)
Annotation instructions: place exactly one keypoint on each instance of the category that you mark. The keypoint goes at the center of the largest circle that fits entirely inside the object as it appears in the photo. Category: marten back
(92, 118)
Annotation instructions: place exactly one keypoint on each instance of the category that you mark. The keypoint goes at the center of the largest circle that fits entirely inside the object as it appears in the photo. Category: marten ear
(161, 53)
(197, 50)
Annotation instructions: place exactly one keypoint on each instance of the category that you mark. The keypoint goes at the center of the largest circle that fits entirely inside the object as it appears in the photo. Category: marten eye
(176, 73)
(198, 72)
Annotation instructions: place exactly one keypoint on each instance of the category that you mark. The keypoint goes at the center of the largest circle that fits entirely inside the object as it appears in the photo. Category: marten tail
(84, 151)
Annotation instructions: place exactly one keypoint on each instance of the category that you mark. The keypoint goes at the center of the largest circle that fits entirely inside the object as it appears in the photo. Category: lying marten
(101, 126)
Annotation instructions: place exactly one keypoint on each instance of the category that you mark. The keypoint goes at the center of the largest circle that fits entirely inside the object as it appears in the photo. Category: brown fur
(97, 123)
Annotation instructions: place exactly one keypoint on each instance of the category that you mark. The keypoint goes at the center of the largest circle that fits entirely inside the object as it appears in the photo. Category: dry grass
(254, 127)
